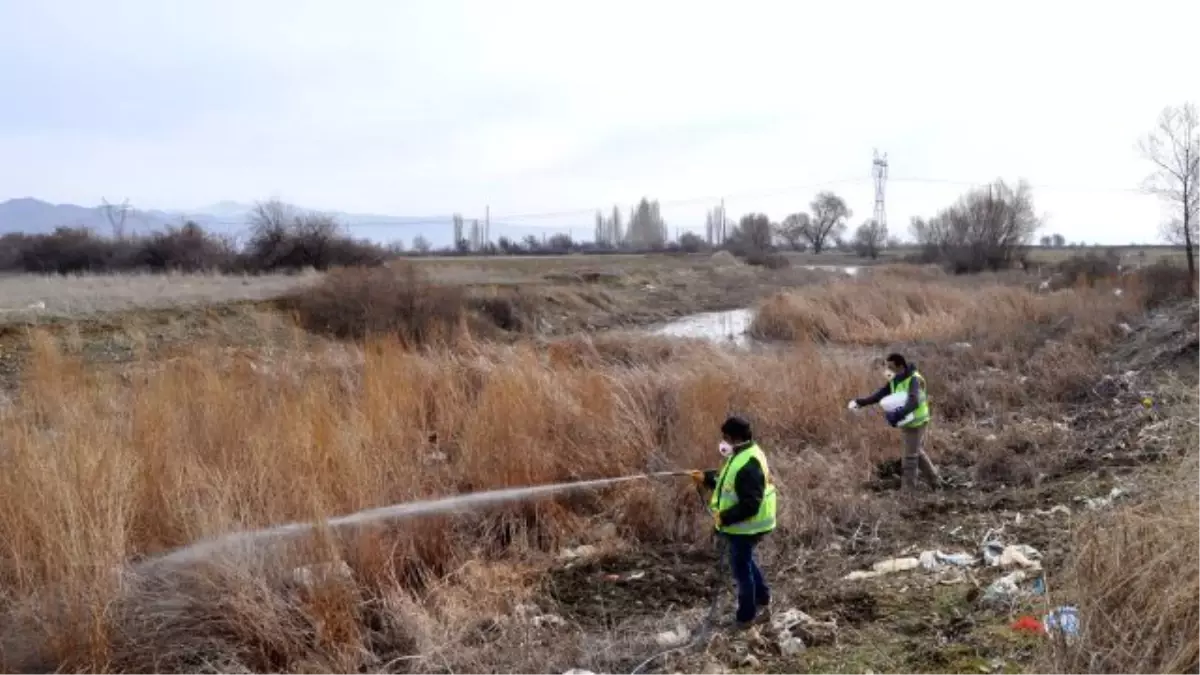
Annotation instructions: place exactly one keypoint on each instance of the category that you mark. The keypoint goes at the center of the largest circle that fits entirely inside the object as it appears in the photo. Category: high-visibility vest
(920, 416)
(725, 494)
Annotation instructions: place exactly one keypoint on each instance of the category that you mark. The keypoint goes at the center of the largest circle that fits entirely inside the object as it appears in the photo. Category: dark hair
(737, 429)
(896, 360)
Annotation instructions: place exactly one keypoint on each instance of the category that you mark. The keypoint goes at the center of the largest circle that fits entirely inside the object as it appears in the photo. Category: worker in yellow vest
(743, 509)
(912, 418)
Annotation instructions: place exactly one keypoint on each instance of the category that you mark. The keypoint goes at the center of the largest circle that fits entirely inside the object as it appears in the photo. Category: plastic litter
(1063, 621)
(1028, 624)
(673, 638)
(1005, 588)
(584, 551)
(790, 645)
(996, 554)
(1096, 503)
(932, 560)
(885, 567)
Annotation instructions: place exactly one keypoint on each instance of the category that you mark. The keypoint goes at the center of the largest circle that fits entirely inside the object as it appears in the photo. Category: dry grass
(27, 297)
(103, 469)
(885, 309)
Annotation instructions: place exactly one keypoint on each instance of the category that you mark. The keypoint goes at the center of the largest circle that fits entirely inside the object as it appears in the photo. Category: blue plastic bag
(1063, 621)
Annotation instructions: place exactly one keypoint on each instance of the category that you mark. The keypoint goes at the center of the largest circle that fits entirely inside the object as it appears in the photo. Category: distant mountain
(33, 216)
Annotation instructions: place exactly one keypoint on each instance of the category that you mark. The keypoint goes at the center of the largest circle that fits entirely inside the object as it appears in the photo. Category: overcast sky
(429, 107)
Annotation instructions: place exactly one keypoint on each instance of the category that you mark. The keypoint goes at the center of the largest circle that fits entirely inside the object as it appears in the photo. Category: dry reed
(101, 469)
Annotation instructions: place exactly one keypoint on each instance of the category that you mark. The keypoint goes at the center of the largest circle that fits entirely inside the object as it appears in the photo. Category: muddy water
(721, 327)
(728, 327)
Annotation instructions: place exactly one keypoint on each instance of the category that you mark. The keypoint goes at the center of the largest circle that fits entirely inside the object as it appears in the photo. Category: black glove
(893, 418)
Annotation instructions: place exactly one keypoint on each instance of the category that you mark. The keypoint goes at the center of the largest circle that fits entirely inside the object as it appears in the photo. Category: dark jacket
(749, 484)
(910, 403)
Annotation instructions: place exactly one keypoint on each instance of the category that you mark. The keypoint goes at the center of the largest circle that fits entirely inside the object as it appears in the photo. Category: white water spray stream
(457, 503)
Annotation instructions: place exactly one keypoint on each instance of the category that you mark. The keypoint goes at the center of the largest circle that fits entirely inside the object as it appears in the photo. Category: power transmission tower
(879, 171)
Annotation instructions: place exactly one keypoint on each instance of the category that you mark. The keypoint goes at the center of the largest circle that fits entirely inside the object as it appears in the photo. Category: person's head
(893, 365)
(736, 430)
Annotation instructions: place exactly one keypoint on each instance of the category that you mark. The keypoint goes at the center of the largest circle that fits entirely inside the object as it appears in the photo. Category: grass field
(1038, 404)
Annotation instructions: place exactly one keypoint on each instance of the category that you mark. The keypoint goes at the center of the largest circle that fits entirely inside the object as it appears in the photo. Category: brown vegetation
(103, 470)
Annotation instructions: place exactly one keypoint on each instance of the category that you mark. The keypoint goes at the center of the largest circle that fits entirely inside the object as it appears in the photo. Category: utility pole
(723, 221)
(879, 171)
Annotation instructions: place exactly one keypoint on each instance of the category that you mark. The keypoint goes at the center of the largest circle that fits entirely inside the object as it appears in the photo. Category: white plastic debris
(785, 621)
(790, 645)
(549, 620)
(996, 554)
(673, 638)
(933, 560)
(1096, 503)
(885, 567)
(585, 551)
(1058, 508)
(578, 671)
(1005, 588)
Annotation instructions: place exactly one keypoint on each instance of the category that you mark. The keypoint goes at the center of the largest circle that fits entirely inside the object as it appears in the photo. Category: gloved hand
(852, 405)
(697, 478)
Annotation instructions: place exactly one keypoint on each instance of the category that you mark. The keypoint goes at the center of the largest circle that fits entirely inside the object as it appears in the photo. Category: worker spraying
(743, 510)
(906, 406)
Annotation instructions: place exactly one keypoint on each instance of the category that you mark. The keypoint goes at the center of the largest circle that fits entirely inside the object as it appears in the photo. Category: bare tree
(1174, 149)
(829, 214)
(753, 233)
(794, 227)
(988, 228)
(870, 238)
(421, 245)
(116, 214)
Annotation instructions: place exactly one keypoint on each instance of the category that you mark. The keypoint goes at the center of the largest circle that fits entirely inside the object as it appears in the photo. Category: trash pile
(1026, 579)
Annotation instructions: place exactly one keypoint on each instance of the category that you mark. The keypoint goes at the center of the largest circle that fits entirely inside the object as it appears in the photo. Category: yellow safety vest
(920, 416)
(725, 495)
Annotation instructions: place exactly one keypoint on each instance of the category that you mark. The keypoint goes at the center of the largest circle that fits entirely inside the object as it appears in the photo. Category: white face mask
(725, 449)
(887, 372)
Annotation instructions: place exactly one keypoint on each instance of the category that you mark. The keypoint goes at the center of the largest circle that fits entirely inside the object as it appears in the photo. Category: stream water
(727, 327)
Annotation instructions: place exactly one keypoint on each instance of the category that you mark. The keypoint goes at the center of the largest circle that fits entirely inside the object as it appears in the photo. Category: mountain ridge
(29, 215)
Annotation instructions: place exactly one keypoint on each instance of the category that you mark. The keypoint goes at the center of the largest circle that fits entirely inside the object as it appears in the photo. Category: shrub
(393, 300)
(987, 229)
(768, 259)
